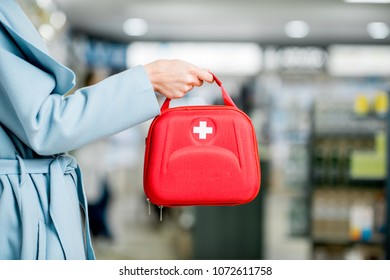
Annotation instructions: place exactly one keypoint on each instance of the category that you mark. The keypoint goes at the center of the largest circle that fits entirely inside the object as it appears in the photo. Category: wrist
(151, 71)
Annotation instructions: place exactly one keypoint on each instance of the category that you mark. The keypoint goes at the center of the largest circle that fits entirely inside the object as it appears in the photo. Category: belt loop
(22, 170)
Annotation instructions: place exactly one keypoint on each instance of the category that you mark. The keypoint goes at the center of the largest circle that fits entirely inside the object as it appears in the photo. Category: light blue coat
(40, 186)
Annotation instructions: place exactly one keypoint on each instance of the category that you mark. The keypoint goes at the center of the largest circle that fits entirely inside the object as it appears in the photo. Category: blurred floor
(136, 235)
(140, 243)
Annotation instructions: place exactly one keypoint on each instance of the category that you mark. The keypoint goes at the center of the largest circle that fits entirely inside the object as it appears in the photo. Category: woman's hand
(174, 78)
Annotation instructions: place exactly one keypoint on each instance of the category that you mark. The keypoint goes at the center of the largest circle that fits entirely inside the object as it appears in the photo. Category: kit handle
(226, 97)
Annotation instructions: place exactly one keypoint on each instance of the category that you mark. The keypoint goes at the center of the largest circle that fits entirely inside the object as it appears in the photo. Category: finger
(187, 88)
(205, 75)
(198, 82)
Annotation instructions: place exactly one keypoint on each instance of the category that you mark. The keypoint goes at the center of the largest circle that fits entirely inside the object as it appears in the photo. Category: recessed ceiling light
(296, 29)
(378, 30)
(368, 1)
(135, 27)
(58, 19)
(47, 31)
(44, 4)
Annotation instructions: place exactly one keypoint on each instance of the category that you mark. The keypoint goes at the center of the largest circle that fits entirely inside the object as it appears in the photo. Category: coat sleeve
(50, 123)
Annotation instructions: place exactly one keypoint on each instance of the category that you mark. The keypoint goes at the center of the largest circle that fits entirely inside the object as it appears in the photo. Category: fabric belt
(59, 202)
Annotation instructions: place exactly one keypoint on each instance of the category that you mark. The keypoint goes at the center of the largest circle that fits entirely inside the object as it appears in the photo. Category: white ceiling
(330, 21)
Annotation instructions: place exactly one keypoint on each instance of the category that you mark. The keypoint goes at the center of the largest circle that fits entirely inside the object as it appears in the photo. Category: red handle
(226, 97)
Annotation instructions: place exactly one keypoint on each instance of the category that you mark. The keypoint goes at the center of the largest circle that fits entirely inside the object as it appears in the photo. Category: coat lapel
(31, 44)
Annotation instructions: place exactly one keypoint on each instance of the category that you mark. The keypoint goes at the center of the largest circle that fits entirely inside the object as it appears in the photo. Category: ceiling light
(378, 30)
(135, 27)
(47, 31)
(296, 29)
(58, 19)
(368, 1)
(44, 4)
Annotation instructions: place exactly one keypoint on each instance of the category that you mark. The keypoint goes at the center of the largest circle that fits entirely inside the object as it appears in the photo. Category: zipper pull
(161, 208)
(149, 210)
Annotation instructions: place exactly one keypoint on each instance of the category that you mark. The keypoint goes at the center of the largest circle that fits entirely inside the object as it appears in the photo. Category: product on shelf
(348, 215)
(381, 103)
(362, 105)
(370, 164)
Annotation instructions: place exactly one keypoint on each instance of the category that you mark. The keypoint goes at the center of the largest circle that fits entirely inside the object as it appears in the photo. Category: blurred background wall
(314, 76)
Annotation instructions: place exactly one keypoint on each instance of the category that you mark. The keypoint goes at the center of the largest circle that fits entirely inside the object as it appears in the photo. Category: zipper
(149, 206)
(159, 206)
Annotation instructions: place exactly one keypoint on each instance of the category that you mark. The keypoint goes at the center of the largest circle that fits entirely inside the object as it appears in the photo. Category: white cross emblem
(203, 130)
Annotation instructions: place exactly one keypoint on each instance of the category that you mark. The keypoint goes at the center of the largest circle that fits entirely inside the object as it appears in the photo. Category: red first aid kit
(201, 155)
